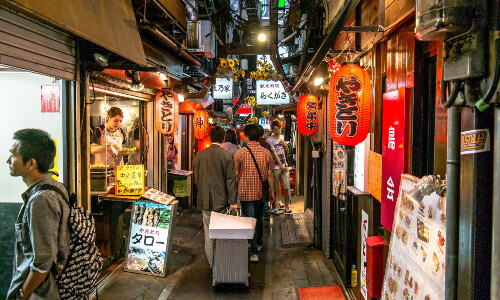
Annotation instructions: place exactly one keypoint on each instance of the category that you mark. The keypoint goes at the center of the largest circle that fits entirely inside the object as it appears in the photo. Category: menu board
(157, 196)
(416, 260)
(129, 180)
(149, 238)
(375, 175)
(182, 188)
(339, 171)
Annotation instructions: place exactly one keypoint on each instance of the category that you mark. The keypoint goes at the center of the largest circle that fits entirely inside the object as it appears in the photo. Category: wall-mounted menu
(416, 262)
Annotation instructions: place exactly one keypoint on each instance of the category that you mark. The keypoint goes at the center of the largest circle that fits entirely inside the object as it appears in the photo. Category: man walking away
(280, 171)
(42, 231)
(216, 182)
(250, 184)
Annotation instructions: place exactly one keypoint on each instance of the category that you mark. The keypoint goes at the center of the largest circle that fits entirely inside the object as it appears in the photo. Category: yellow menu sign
(129, 180)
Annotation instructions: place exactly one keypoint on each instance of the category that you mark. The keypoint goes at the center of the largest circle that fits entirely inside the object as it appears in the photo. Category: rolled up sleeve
(45, 218)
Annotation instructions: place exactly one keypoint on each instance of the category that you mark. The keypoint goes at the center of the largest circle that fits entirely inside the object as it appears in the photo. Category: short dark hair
(230, 136)
(216, 134)
(275, 123)
(252, 131)
(38, 145)
(261, 129)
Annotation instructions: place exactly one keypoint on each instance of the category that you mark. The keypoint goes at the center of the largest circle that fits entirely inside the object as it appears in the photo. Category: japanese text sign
(51, 98)
(129, 180)
(394, 149)
(223, 89)
(364, 235)
(168, 111)
(149, 238)
(271, 93)
(375, 175)
(307, 114)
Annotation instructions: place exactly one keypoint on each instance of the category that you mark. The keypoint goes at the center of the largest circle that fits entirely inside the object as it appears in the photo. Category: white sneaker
(281, 205)
(277, 211)
(254, 258)
(288, 210)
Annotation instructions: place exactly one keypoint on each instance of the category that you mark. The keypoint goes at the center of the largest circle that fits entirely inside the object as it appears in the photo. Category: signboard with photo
(150, 238)
(339, 173)
(271, 93)
(416, 261)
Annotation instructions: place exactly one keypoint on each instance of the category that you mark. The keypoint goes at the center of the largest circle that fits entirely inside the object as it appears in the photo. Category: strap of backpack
(255, 161)
(51, 187)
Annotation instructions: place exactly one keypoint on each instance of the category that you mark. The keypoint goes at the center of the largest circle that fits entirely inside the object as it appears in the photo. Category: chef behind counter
(108, 139)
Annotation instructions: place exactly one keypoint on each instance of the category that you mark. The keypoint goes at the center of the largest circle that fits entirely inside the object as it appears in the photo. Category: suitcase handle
(238, 212)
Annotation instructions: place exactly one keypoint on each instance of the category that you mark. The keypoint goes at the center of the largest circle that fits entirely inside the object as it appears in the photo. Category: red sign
(307, 114)
(51, 98)
(395, 147)
(244, 108)
(349, 102)
(200, 120)
(168, 111)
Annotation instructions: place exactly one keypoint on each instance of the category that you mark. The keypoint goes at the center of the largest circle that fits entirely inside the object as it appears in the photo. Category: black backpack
(79, 276)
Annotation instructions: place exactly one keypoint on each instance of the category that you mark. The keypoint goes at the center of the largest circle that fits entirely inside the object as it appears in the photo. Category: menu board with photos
(129, 180)
(149, 238)
(416, 261)
(339, 172)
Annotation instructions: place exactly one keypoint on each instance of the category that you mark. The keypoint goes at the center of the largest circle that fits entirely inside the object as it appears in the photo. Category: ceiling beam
(246, 50)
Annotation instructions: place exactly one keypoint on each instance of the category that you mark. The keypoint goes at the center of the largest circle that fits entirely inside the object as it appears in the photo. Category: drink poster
(129, 180)
(149, 238)
(51, 98)
(416, 261)
(339, 173)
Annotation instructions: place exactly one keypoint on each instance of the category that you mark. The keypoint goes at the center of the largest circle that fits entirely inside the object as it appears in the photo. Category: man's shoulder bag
(265, 183)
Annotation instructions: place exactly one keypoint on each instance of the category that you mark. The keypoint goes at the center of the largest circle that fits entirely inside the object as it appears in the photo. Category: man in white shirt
(279, 150)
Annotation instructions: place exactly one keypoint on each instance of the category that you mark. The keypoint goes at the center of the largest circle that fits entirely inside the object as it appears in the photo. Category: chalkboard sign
(129, 180)
(149, 240)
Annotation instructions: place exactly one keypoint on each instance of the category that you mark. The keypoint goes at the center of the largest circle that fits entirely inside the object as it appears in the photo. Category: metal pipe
(447, 101)
(191, 12)
(452, 202)
(495, 248)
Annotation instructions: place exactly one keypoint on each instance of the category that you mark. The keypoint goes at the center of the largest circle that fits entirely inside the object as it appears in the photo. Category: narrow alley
(288, 262)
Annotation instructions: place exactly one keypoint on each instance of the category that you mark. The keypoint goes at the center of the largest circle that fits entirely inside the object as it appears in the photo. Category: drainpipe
(192, 17)
(495, 249)
(452, 190)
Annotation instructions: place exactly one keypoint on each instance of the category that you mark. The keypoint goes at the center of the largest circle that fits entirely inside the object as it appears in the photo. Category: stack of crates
(292, 183)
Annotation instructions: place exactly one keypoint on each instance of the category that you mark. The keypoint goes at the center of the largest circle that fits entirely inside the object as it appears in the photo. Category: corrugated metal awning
(108, 23)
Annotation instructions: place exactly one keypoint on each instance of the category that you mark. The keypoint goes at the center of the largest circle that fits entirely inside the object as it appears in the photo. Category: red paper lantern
(168, 111)
(204, 144)
(349, 103)
(200, 120)
(307, 114)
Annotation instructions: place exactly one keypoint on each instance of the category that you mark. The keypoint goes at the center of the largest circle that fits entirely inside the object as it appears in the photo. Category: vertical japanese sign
(375, 175)
(361, 164)
(149, 238)
(129, 180)
(51, 98)
(394, 150)
(364, 235)
(223, 88)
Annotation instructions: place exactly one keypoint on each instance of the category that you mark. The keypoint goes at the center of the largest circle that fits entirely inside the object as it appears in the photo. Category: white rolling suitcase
(230, 260)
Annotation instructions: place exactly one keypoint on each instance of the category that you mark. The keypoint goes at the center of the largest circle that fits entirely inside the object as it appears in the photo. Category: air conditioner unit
(200, 34)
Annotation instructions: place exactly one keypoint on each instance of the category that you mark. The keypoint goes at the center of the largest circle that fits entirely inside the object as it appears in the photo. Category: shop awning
(108, 23)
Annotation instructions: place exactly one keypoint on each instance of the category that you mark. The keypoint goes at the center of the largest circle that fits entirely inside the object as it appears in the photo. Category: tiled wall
(8, 215)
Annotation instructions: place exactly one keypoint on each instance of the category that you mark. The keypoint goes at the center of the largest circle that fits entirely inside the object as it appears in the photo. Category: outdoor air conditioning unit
(201, 39)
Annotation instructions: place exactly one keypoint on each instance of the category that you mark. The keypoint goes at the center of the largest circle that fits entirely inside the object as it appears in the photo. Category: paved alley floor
(287, 262)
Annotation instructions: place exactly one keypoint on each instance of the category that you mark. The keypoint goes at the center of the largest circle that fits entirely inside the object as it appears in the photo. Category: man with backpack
(42, 232)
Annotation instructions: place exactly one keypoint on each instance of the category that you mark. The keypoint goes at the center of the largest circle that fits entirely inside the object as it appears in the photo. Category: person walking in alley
(250, 183)
(216, 182)
(42, 230)
(230, 143)
(280, 171)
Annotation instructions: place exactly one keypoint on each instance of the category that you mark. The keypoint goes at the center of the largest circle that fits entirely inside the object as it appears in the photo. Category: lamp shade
(307, 114)
(349, 102)
(200, 120)
(168, 111)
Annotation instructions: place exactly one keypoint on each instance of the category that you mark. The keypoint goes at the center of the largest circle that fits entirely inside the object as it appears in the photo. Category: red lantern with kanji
(200, 120)
(168, 111)
(307, 114)
(204, 144)
(349, 103)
